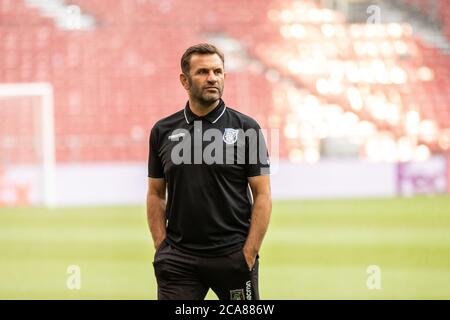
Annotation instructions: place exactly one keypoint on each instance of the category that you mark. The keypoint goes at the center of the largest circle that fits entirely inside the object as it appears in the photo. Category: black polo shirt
(209, 201)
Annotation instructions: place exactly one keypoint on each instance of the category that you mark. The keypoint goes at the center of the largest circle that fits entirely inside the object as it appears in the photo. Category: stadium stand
(437, 11)
(307, 71)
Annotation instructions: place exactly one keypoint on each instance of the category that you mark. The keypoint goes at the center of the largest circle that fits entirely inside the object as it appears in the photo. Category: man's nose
(212, 77)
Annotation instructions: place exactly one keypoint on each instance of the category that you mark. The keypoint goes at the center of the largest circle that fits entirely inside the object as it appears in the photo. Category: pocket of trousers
(244, 261)
(158, 250)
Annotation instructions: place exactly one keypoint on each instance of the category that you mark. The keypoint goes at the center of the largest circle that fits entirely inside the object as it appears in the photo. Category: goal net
(27, 147)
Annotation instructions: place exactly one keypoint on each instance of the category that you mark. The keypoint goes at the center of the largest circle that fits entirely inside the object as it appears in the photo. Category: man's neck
(200, 109)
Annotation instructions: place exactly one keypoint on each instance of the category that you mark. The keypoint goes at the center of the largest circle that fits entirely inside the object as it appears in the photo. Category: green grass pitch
(313, 250)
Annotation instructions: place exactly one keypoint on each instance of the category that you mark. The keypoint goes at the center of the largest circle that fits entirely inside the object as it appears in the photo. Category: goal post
(45, 122)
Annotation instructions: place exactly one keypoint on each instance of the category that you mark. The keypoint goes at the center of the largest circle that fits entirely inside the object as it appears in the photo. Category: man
(210, 231)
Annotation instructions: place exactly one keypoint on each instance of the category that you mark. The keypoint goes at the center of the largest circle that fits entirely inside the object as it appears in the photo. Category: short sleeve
(155, 168)
(257, 161)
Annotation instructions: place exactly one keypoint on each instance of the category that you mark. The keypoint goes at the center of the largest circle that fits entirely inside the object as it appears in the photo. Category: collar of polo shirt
(213, 116)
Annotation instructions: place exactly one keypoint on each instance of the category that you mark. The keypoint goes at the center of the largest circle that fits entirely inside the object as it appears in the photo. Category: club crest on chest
(230, 136)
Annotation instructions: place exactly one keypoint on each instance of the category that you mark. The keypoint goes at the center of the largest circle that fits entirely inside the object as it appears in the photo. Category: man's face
(206, 78)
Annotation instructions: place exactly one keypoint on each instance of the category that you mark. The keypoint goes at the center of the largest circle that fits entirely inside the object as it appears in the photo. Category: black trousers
(181, 276)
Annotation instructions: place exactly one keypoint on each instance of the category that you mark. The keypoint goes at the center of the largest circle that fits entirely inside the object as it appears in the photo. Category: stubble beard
(203, 98)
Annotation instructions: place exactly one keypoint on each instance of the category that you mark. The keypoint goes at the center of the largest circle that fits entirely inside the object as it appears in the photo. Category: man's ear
(184, 81)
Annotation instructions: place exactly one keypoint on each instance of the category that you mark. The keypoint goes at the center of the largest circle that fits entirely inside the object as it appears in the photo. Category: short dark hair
(202, 48)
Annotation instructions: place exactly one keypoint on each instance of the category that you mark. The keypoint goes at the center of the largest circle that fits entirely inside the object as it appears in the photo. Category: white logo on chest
(175, 137)
(230, 136)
